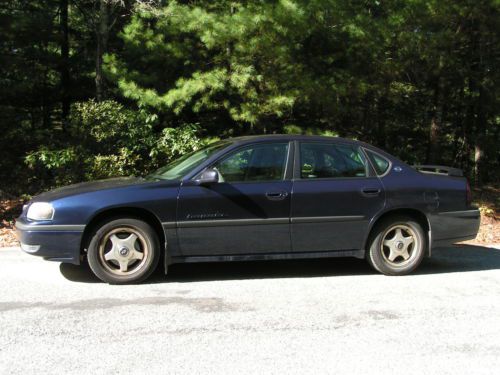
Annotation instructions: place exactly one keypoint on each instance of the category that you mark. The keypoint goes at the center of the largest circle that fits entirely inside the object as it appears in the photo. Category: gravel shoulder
(315, 316)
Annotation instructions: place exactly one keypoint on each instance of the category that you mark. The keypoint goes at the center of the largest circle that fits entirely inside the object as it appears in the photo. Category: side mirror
(208, 177)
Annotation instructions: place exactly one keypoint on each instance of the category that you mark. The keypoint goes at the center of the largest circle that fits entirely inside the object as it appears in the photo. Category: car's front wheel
(397, 246)
(123, 250)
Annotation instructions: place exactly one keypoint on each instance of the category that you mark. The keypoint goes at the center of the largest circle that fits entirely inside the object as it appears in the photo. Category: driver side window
(260, 162)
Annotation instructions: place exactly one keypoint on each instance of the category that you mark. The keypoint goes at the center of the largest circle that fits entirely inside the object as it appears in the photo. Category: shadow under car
(460, 258)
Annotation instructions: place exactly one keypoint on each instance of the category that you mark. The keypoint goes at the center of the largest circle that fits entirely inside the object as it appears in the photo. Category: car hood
(87, 187)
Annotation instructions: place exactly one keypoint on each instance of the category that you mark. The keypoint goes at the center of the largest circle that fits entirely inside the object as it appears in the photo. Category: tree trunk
(65, 77)
(102, 34)
(381, 107)
(480, 174)
(478, 157)
(433, 156)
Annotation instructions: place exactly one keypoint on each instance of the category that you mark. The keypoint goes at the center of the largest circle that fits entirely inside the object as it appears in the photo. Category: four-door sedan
(254, 198)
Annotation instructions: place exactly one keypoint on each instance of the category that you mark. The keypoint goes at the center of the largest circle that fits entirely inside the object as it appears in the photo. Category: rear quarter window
(380, 163)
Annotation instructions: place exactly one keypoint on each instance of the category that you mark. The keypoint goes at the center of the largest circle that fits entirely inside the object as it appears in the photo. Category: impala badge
(216, 215)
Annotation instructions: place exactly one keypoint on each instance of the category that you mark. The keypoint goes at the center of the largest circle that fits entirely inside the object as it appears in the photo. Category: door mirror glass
(208, 177)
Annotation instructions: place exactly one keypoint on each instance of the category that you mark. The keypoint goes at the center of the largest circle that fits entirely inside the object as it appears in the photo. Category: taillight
(468, 194)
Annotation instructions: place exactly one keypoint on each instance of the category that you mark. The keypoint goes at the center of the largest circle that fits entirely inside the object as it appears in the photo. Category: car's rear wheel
(123, 250)
(397, 246)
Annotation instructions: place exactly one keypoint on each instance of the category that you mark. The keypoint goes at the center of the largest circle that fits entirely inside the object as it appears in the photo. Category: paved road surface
(305, 317)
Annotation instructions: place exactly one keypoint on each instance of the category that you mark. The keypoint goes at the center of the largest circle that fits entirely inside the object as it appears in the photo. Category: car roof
(299, 137)
(289, 137)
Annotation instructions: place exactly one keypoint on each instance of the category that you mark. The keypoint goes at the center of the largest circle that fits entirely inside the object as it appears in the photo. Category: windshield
(185, 164)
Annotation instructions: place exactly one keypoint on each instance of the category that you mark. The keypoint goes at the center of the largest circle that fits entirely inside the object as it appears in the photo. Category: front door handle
(370, 192)
(276, 195)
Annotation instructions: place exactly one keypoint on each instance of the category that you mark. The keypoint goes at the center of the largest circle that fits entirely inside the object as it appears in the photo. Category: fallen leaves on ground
(9, 210)
(489, 232)
(488, 201)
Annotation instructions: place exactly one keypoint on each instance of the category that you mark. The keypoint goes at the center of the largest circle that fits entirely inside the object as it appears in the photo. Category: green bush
(108, 140)
(174, 142)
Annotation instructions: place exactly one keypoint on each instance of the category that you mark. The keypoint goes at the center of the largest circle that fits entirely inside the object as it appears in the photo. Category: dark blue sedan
(254, 198)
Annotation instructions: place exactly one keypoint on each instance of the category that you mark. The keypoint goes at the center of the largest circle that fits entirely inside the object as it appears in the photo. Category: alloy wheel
(123, 251)
(399, 245)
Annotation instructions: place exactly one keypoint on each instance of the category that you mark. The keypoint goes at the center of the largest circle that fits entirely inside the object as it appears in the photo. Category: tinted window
(185, 164)
(327, 160)
(380, 163)
(261, 162)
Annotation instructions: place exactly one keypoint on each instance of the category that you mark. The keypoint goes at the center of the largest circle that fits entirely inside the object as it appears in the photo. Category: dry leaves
(489, 231)
(9, 210)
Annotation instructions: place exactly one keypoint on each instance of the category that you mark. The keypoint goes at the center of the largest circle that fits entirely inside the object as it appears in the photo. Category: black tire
(379, 254)
(114, 255)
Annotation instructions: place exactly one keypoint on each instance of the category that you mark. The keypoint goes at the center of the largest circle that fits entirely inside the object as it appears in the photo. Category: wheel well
(129, 212)
(415, 214)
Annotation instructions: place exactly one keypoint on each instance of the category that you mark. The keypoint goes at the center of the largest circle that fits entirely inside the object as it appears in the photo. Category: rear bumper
(454, 226)
(60, 243)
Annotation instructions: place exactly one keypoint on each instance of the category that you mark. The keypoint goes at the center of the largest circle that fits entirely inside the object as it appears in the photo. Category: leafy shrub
(108, 140)
(174, 142)
(295, 129)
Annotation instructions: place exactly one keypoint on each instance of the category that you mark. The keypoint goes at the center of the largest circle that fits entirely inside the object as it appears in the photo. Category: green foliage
(52, 159)
(175, 142)
(109, 140)
(240, 61)
(377, 71)
(295, 129)
(418, 78)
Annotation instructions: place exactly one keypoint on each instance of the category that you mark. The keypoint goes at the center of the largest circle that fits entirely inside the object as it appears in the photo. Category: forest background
(92, 89)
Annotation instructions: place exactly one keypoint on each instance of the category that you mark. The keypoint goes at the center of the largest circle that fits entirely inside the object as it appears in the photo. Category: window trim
(297, 175)
(287, 174)
(366, 151)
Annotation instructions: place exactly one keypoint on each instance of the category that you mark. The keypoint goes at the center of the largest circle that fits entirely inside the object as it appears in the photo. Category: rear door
(335, 195)
(247, 212)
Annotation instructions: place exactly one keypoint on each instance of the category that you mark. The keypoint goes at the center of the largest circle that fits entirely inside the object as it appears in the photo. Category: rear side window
(329, 160)
(380, 163)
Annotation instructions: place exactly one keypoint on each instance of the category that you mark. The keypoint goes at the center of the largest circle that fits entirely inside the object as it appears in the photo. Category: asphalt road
(306, 317)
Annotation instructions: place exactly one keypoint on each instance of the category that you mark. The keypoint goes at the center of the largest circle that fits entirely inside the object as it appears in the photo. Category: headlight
(40, 211)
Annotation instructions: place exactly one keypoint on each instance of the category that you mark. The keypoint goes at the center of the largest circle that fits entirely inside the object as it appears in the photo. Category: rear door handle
(370, 192)
(276, 195)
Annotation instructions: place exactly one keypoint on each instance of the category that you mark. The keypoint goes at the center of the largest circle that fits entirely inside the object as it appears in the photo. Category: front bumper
(60, 243)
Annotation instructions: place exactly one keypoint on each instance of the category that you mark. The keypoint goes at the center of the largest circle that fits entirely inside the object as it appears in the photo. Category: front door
(247, 212)
(334, 197)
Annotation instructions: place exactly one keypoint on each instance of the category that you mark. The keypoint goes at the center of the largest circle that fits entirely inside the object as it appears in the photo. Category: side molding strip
(325, 219)
(168, 225)
(237, 222)
(466, 213)
(55, 228)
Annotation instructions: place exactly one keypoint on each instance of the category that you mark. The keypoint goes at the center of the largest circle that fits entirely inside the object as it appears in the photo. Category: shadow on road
(462, 258)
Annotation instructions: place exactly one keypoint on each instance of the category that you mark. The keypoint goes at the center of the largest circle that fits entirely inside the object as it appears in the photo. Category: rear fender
(420, 216)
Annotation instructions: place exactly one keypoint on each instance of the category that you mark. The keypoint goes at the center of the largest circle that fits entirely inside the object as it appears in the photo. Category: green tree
(415, 77)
